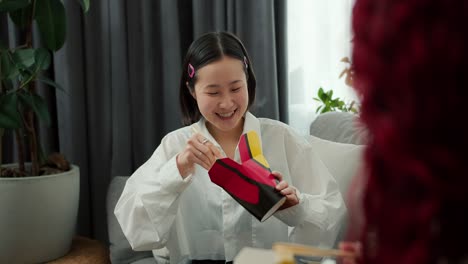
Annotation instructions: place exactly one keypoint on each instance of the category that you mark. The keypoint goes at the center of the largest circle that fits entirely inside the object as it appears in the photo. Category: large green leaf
(27, 75)
(41, 61)
(8, 67)
(22, 16)
(326, 109)
(50, 17)
(7, 85)
(84, 5)
(324, 96)
(42, 58)
(37, 104)
(9, 115)
(334, 103)
(24, 58)
(321, 93)
(12, 5)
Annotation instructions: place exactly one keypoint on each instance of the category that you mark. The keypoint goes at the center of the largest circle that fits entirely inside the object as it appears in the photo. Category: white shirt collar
(251, 123)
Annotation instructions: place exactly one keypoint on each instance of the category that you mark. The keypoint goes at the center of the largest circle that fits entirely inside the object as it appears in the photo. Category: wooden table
(250, 255)
(83, 251)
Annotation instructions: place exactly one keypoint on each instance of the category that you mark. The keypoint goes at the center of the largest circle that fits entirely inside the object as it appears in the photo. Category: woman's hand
(198, 151)
(286, 190)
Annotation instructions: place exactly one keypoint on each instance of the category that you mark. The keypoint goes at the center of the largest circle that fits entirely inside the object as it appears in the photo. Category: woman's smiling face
(221, 94)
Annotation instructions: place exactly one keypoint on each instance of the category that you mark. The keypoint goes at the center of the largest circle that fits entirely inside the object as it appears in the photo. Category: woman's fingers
(277, 175)
(208, 156)
(281, 185)
(205, 151)
(211, 152)
(215, 150)
(209, 146)
(196, 155)
(286, 190)
(290, 193)
(200, 158)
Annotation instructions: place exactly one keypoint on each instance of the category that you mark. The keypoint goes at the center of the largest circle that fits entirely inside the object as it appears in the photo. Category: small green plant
(330, 104)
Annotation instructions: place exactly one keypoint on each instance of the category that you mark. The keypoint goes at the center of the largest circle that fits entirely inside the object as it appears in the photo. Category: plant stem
(30, 26)
(29, 114)
(32, 77)
(33, 142)
(20, 143)
(1, 129)
(1, 91)
(1, 150)
(20, 47)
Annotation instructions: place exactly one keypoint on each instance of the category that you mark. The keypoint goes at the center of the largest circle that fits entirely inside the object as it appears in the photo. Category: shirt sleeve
(148, 205)
(316, 219)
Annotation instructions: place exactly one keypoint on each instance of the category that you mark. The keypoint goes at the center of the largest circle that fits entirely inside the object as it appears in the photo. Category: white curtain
(319, 36)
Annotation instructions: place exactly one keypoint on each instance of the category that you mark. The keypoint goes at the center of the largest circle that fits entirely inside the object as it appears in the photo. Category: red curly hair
(410, 59)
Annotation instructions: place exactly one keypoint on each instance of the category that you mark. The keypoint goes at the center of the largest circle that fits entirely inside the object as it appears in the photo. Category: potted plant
(330, 104)
(39, 199)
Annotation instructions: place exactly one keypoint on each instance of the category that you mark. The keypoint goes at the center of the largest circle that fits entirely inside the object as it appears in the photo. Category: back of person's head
(209, 48)
(410, 59)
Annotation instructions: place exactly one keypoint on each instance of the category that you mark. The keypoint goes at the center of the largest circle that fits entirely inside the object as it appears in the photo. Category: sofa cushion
(120, 249)
(149, 260)
(342, 160)
(339, 127)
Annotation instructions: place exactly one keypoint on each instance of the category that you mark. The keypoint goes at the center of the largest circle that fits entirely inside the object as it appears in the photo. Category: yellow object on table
(284, 253)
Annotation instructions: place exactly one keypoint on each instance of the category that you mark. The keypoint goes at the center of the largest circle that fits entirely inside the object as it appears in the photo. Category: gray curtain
(120, 68)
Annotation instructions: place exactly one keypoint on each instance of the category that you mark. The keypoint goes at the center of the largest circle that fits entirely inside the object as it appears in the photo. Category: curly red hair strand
(410, 60)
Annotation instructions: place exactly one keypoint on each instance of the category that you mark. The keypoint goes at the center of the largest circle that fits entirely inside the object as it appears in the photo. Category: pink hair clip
(191, 71)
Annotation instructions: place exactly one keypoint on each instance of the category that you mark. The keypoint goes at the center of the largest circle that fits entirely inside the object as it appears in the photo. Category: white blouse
(196, 219)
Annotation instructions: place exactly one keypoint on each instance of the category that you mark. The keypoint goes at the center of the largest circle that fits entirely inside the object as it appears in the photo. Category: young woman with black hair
(170, 201)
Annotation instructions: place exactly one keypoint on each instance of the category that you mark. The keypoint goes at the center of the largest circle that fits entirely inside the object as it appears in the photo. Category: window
(319, 36)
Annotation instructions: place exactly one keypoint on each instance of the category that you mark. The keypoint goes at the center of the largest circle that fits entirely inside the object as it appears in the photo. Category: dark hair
(410, 62)
(206, 49)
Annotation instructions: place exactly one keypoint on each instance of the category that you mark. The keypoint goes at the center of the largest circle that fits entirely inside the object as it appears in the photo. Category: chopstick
(284, 252)
(195, 128)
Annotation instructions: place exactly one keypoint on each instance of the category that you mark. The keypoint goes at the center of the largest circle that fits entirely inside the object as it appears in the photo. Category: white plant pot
(38, 216)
